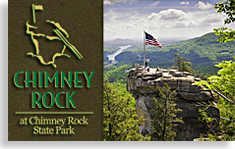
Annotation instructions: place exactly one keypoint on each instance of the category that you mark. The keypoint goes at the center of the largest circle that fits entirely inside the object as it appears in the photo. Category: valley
(203, 52)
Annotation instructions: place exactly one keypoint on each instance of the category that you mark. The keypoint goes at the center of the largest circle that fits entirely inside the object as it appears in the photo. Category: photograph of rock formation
(168, 70)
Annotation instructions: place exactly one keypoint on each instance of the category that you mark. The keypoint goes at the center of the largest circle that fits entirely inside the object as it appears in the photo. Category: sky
(164, 19)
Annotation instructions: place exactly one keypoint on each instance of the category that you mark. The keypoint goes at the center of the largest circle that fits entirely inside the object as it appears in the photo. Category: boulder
(166, 75)
(197, 96)
(145, 85)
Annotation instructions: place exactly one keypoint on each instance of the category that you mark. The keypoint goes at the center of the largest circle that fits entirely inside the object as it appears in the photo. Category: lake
(112, 56)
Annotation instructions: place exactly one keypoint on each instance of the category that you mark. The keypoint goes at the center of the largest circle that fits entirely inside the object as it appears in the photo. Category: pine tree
(120, 121)
(164, 113)
(181, 63)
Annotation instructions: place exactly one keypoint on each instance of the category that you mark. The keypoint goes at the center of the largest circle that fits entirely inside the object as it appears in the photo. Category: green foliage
(203, 116)
(227, 110)
(226, 34)
(207, 120)
(132, 56)
(110, 49)
(227, 7)
(225, 83)
(120, 88)
(119, 117)
(181, 63)
(108, 68)
(117, 74)
(226, 131)
(225, 80)
(164, 113)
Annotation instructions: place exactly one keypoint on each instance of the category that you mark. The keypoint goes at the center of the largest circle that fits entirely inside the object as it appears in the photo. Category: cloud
(111, 15)
(213, 18)
(203, 6)
(174, 19)
(155, 4)
(152, 16)
(184, 3)
(173, 23)
(116, 16)
(171, 14)
(110, 2)
(106, 2)
(164, 19)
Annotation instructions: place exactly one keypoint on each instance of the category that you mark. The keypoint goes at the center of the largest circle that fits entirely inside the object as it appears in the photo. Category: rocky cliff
(145, 85)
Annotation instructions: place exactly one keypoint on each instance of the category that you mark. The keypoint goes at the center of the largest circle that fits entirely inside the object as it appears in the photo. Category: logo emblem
(61, 35)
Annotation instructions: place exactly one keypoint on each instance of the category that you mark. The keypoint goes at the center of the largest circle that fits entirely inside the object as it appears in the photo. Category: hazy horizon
(162, 39)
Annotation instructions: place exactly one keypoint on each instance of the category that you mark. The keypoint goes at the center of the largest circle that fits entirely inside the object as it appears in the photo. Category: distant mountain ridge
(120, 42)
(204, 38)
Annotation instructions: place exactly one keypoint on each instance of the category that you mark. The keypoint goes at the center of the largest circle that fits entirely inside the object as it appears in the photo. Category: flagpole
(144, 48)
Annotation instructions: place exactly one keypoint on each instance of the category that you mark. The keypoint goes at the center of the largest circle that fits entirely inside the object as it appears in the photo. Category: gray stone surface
(145, 85)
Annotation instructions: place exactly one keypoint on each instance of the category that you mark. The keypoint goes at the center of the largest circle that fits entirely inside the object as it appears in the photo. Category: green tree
(117, 74)
(224, 82)
(182, 63)
(120, 121)
(164, 113)
(227, 7)
(121, 89)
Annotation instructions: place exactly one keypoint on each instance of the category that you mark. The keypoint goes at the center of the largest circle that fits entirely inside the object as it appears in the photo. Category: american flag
(149, 39)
